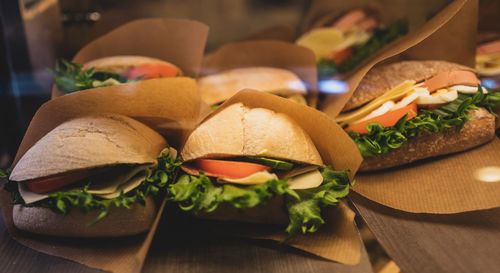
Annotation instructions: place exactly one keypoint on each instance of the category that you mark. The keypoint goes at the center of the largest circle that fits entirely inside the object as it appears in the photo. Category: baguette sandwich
(71, 77)
(245, 157)
(89, 176)
(407, 111)
(216, 88)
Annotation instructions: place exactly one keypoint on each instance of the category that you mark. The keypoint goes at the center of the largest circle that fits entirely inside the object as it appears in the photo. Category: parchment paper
(179, 41)
(338, 239)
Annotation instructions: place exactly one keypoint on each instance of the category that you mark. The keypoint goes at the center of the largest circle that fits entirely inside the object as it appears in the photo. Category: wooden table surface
(464, 242)
(187, 247)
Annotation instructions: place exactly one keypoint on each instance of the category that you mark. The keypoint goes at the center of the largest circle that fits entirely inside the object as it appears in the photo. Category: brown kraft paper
(447, 184)
(449, 36)
(169, 105)
(338, 239)
(178, 41)
(278, 54)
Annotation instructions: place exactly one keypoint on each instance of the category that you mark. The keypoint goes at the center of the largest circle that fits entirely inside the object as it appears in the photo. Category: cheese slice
(253, 179)
(304, 178)
(112, 182)
(110, 189)
(307, 180)
(393, 94)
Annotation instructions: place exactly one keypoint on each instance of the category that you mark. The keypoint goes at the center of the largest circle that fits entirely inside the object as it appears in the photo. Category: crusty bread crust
(381, 79)
(90, 142)
(120, 221)
(475, 132)
(240, 131)
(120, 64)
(219, 87)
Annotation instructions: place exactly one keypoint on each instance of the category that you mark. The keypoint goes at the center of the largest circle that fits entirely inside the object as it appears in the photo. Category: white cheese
(307, 180)
(114, 184)
(28, 196)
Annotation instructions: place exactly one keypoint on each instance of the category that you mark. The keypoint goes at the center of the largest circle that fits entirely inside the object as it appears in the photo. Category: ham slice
(447, 79)
(488, 48)
(350, 19)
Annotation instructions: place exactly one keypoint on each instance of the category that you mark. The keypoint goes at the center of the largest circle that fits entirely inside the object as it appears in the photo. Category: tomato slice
(387, 120)
(57, 181)
(229, 169)
(153, 71)
(340, 56)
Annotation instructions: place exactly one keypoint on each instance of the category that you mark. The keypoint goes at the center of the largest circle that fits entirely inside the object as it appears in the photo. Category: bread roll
(120, 221)
(90, 142)
(477, 131)
(381, 79)
(240, 131)
(219, 87)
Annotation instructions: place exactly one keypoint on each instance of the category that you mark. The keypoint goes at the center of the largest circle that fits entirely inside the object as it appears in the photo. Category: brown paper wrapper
(338, 239)
(437, 39)
(179, 41)
(278, 54)
(448, 184)
(169, 105)
(278, 32)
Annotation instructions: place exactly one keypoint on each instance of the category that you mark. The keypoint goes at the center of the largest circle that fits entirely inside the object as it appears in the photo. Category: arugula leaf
(200, 193)
(70, 76)
(64, 201)
(380, 38)
(382, 140)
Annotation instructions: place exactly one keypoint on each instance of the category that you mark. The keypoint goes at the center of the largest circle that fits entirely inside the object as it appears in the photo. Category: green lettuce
(382, 140)
(200, 193)
(70, 77)
(63, 202)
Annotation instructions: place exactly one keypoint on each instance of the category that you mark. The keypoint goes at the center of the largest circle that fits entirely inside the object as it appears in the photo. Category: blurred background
(35, 33)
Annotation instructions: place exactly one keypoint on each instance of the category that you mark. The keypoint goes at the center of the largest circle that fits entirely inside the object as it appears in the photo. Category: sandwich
(108, 71)
(341, 45)
(244, 158)
(216, 88)
(408, 111)
(488, 64)
(93, 176)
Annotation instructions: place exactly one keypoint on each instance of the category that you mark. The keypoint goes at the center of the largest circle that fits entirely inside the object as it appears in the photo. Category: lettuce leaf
(382, 140)
(63, 202)
(70, 77)
(200, 193)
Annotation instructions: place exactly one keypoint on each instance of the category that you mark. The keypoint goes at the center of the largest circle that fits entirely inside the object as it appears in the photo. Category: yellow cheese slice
(253, 179)
(321, 41)
(307, 180)
(393, 94)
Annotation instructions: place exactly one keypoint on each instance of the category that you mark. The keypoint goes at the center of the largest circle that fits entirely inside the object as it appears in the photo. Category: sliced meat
(446, 79)
(349, 19)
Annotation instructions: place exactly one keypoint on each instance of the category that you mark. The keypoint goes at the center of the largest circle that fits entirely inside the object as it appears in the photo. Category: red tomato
(52, 183)
(387, 120)
(339, 56)
(229, 169)
(153, 71)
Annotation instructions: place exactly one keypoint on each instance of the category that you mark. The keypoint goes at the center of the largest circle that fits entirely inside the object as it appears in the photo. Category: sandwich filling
(488, 64)
(99, 188)
(438, 103)
(70, 77)
(349, 40)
